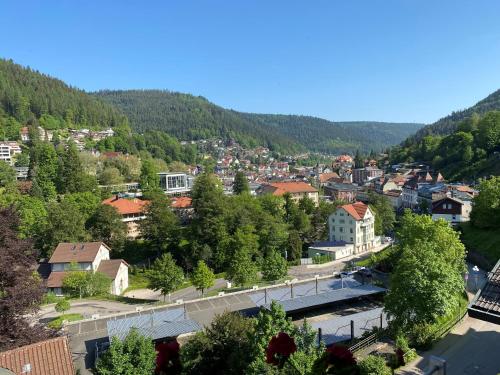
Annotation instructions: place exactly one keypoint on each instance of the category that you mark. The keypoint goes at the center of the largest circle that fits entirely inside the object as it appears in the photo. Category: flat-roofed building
(174, 183)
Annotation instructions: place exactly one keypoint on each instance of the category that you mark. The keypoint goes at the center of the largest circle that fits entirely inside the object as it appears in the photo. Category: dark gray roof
(162, 324)
(486, 302)
(343, 294)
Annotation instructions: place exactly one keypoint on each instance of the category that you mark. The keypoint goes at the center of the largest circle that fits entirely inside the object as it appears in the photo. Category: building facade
(354, 224)
(176, 183)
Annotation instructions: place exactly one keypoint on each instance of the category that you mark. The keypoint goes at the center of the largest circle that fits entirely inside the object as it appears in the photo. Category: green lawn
(137, 281)
(57, 322)
(482, 241)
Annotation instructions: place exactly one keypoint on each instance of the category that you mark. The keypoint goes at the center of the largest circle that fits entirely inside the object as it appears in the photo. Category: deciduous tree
(202, 277)
(165, 275)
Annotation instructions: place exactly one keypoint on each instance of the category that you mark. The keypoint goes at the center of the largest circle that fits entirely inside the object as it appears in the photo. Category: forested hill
(470, 152)
(447, 125)
(27, 96)
(189, 117)
(323, 135)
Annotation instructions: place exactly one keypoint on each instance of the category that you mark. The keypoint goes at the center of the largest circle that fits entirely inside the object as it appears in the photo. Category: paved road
(87, 308)
(185, 294)
(472, 347)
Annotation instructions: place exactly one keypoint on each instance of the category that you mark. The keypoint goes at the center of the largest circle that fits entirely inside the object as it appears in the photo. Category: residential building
(296, 189)
(363, 175)
(8, 150)
(324, 178)
(24, 133)
(49, 357)
(176, 183)
(394, 197)
(90, 257)
(452, 210)
(45, 135)
(354, 224)
(132, 212)
(341, 192)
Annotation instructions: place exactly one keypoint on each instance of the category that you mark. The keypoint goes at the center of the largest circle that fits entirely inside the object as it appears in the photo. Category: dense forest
(470, 152)
(447, 125)
(29, 97)
(324, 136)
(188, 117)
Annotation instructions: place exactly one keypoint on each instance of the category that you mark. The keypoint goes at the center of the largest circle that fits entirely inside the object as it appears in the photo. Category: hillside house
(354, 224)
(88, 256)
(363, 175)
(132, 212)
(452, 210)
(296, 189)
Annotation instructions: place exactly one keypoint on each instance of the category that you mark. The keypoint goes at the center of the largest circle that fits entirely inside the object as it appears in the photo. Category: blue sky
(405, 60)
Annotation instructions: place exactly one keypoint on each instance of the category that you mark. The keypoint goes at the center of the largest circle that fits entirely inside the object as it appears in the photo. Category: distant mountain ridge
(189, 117)
(447, 125)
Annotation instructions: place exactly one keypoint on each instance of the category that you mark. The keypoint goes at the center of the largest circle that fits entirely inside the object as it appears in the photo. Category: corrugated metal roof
(301, 290)
(304, 302)
(166, 323)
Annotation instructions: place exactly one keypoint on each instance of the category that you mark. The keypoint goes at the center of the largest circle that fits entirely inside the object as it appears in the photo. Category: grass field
(57, 322)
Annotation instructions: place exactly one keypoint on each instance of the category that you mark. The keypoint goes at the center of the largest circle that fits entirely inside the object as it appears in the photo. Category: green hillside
(449, 124)
(470, 152)
(29, 97)
(188, 117)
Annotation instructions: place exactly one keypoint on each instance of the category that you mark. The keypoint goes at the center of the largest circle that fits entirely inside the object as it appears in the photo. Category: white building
(88, 256)
(8, 150)
(354, 224)
(173, 183)
(452, 210)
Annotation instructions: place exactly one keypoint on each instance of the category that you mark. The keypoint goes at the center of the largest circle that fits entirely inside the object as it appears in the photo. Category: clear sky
(401, 60)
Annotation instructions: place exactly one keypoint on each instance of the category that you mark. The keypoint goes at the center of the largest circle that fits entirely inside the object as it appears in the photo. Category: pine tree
(240, 184)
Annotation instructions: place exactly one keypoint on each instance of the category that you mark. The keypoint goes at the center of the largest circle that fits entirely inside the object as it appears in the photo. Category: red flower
(340, 356)
(280, 348)
(167, 355)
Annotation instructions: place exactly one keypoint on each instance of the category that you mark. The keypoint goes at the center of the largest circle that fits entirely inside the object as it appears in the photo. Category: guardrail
(372, 339)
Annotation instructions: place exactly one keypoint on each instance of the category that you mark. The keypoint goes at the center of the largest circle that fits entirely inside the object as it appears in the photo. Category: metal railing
(372, 339)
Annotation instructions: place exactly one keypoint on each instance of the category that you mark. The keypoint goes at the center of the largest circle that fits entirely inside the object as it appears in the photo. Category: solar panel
(158, 324)
(304, 302)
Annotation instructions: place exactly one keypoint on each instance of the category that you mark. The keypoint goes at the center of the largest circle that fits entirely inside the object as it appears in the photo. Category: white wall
(120, 283)
(102, 254)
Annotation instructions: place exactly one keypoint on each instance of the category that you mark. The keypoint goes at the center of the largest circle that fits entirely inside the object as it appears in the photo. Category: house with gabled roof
(90, 257)
(354, 224)
(296, 189)
(49, 357)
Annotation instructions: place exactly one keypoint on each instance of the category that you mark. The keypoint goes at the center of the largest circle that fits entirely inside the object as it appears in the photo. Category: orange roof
(357, 210)
(181, 202)
(280, 188)
(126, 206)
(464, 189)
(323, 177)
(49, 357)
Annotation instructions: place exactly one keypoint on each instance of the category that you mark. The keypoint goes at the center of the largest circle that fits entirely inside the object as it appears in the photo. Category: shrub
(63, 305)
(373, 365)
(49, 298)
(322, 258)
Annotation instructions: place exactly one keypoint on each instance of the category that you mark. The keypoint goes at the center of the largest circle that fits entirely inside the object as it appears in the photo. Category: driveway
(472, 347)
(87, 308)
(186, 294)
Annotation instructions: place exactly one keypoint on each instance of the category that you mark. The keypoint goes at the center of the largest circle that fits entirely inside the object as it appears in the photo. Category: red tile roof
(67, 252)
(126, 206)
(181, 202)
(50, 357)
(280, 188)
(357, 210)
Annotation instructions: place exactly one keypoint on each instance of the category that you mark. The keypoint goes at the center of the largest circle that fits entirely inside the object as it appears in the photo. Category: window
(351, 239)
(341, 230)
(333, 229)
(341, 214)
(342, 221)
(333, 220)
(350, 230)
